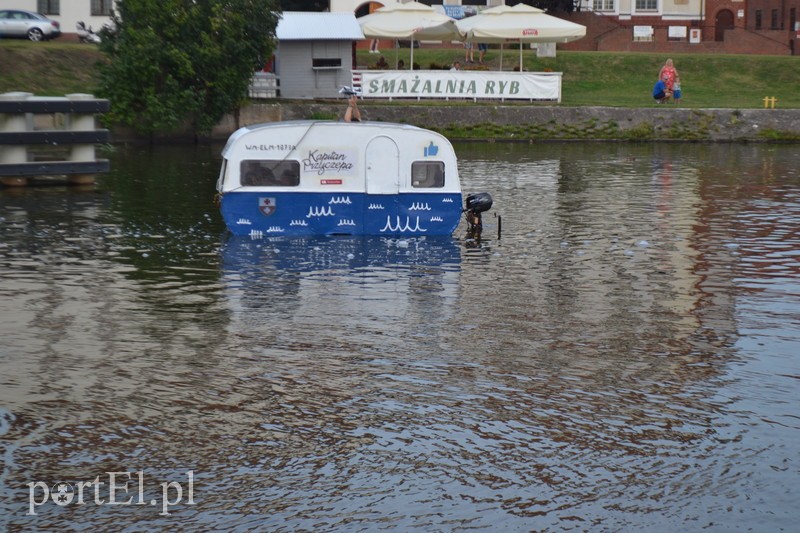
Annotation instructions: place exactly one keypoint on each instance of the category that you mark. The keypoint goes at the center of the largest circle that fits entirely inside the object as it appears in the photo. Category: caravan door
(383, 182)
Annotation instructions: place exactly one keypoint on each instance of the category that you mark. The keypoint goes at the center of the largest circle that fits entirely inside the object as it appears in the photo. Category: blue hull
(261, 214)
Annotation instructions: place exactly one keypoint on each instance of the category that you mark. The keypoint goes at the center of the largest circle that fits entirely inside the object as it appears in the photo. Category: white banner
(460, 84)
(677, 32)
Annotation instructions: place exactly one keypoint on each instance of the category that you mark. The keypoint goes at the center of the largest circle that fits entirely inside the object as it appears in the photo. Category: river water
(624, 355)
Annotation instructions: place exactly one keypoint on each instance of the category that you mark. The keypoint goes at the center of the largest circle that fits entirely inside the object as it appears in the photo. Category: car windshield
(21, 15)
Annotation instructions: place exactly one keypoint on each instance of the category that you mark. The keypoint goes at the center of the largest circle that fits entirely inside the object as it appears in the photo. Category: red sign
(530, 31)
(330, 182)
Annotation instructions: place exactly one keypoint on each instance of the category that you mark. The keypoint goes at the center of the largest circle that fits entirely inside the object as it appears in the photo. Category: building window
(646, 5)
(774, 25)
(603, 5)
(427, 174)
(102, 8)
(793, 20)
(269, 173)
(758, 19)
(326, 63)
(48, 7)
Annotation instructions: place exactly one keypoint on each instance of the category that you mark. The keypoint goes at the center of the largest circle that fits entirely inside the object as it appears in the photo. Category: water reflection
(344, 283)
(622, 356)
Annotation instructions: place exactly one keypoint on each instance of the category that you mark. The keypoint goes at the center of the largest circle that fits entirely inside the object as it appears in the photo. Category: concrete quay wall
(540, 122)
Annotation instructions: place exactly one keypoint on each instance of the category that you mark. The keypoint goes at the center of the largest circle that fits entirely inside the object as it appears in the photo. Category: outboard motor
(476, 204)
(479, 202)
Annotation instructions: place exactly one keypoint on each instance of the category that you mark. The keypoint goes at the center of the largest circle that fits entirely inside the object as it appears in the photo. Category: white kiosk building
(315, 53)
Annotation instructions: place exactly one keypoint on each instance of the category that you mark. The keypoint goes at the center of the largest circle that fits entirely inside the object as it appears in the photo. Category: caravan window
(270, 173)
(427, 174)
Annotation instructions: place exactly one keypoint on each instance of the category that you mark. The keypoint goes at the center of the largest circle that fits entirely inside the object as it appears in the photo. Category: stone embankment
(517, 122)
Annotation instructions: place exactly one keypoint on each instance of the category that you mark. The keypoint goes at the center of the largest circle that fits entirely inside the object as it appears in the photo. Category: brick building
(775, 20)
(685, 26)
(669, 26)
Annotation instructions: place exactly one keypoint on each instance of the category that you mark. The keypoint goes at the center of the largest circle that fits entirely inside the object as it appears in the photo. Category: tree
(174, 62)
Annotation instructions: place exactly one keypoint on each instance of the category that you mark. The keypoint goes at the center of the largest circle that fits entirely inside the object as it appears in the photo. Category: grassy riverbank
(48, 68)
(626, 79)
(589, 78)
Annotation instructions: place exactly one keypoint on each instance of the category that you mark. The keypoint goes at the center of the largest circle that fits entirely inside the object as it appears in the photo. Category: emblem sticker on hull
(267, 206)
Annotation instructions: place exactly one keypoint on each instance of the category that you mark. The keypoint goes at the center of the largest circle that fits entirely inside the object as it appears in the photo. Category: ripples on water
(623, 356)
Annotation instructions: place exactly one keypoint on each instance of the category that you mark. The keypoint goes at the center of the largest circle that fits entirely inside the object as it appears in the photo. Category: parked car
(28, 25)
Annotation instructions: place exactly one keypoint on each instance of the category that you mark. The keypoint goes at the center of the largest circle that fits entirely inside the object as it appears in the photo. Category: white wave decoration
(244, 222)
(419, 206)
(275, 229)
(398, 227)
(340, 200)
(375, 206)
(437, 219)
(447, 200)
(256, 234)
(346, 222)
(319, 211)
(298, 223)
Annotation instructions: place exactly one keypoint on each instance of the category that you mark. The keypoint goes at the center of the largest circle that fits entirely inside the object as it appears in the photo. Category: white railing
(263, 85)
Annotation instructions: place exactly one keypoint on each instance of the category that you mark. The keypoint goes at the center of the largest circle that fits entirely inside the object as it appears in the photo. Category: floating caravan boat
(340, 178)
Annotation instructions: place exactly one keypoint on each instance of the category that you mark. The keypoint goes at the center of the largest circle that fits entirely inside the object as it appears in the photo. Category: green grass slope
(589, 78)
(626, 79)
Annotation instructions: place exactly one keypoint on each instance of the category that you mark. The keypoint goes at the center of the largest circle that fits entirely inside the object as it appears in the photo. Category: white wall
(71, 12)
(300, 80)
(352, 5)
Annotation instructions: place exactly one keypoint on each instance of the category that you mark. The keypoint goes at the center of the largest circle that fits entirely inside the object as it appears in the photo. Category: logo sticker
(327, 162)
(267, 206)
(431, 150)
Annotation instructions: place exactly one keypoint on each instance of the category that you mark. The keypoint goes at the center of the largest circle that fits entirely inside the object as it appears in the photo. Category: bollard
(13, 123)
(81, 152)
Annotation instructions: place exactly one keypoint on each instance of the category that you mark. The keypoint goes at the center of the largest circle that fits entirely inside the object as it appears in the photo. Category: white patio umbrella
(520, 23)
(408, 21)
